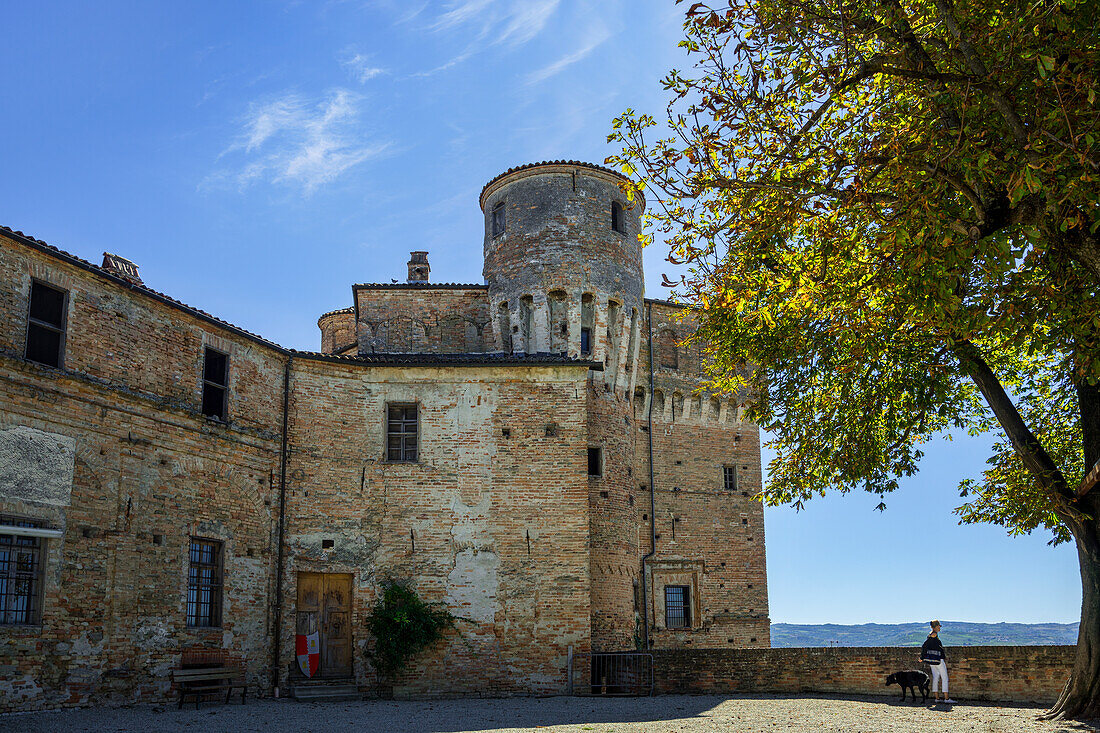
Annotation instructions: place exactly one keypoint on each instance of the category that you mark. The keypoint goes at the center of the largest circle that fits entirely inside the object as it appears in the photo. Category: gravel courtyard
(679, 713)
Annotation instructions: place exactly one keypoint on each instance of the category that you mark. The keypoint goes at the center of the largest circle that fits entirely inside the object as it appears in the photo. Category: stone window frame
(62, 330)
(676, 572)
(386, 433)
(38, 548)
(213, 385)
(498, 221)
(216, 584)
(730, 479)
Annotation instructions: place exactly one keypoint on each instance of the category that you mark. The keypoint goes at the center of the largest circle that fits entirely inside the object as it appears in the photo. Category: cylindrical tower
(564, 264)
(564, 268)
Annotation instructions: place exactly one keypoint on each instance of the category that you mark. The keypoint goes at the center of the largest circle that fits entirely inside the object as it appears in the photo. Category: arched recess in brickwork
(696, 408)
(527, 324)
(715, 409)
(658, 405)
(632, 345)
(399, 335)
(452, 334)
(639, 404)
(559, 321)
(588, 321)
(668, 349)
(614, 334)
(677, 406)
(475, 337)
(504, 322)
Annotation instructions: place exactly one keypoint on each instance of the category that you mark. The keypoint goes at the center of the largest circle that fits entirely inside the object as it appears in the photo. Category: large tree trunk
(1081, 696)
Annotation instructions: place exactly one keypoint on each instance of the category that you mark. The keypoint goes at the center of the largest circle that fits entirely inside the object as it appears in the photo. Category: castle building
(536, 452)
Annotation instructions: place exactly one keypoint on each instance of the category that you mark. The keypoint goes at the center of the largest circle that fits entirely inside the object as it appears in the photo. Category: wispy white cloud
(595, 38)
(361, 68)
(493, 22)
(300, 142)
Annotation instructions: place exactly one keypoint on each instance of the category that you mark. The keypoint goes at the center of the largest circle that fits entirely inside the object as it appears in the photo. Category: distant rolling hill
(954, 633)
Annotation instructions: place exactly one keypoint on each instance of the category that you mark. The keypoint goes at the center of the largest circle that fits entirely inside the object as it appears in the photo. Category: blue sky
(256, 159)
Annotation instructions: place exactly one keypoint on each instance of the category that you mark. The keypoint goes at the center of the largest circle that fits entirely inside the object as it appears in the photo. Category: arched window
(498, 219)
(617, 217)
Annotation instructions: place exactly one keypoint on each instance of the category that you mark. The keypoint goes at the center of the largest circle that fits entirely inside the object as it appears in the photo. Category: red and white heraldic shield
(309, 652)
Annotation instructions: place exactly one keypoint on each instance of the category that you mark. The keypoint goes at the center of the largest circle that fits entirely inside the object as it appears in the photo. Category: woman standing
(932, 654)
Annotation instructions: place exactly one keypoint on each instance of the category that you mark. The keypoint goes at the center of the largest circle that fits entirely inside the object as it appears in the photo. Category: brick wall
(708, 538)
(1000, 673)
(427, 318)
(492, 518)
(133, 470)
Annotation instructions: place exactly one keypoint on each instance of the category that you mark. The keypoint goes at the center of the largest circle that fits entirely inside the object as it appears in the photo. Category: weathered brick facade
(516, 386)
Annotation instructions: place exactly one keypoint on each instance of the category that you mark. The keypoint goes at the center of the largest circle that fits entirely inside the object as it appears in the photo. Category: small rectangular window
(215, 383)
(678, 606)
(46, 325)
(586, 340)
(498, 219)
(204, 583)
(595, 462)
(617, 216)
(729, 478)
(22, 572)
(402, 433)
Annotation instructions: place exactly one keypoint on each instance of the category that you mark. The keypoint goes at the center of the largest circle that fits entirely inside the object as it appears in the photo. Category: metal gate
(611, 674)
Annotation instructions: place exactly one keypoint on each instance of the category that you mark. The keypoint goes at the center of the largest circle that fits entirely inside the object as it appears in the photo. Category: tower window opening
(617, 217)
(595, 462)
(498, 219)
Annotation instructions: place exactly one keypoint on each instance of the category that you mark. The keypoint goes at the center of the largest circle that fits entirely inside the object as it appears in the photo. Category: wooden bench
(199, 681)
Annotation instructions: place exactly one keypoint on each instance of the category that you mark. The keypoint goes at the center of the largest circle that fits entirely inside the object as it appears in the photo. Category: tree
(892, 207)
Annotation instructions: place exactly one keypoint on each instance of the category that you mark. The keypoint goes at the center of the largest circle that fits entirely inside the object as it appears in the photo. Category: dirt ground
(665, 714)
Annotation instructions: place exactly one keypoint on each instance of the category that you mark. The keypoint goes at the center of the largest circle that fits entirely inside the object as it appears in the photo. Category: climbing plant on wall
(403, 625)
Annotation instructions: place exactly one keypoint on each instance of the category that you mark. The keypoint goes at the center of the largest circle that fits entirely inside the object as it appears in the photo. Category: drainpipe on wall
(277, 646)
(652, 489)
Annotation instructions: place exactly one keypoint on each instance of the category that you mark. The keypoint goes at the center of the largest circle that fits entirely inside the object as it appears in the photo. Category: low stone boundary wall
(998, 673)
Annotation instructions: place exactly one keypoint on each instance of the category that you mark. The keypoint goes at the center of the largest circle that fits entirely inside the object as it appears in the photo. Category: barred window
(498, 219)
(402, 433)
(215, 383)
(46, 325)
(678, 606)
(204, 583)
(21, 574)
(729, 478)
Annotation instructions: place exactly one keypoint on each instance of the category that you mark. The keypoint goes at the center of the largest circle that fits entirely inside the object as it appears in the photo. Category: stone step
(321, 692)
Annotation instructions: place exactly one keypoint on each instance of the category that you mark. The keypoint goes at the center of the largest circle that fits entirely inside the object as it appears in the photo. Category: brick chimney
(419, 267)
(122, 267)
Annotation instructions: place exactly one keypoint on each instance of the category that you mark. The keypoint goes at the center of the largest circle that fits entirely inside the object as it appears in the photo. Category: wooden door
(324, 606)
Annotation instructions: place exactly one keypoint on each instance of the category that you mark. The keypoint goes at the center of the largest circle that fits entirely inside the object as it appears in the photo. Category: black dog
(911, 679)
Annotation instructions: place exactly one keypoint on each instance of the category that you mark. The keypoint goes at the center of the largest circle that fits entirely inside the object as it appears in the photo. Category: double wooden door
(324, 606)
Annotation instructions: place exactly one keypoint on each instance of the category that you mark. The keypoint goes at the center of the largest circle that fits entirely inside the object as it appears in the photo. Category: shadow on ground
(704, 713)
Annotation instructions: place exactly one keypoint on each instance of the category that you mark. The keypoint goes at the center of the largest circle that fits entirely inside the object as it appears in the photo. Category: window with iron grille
(46, 325)
(204, 583)
(498, 219)
(215, 383)
(402, 433)
(21, 574)
(678, 606)
(729, 478)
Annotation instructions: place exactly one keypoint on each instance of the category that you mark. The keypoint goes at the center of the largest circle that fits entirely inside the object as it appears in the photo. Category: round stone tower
(564, 265)
(564, 268)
